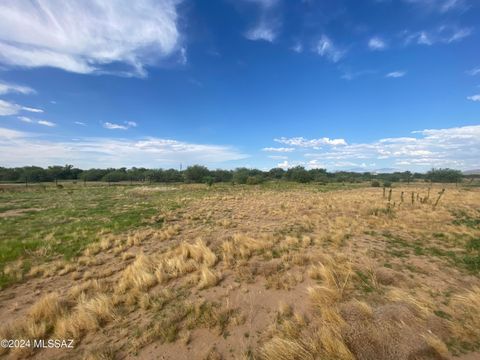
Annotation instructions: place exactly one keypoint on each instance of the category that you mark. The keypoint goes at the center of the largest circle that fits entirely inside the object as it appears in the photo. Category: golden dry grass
(364, 279)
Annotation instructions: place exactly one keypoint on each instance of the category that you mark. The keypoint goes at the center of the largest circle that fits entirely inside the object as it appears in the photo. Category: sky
(362, 85)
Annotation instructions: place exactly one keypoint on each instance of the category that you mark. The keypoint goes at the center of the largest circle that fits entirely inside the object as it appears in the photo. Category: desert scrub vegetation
(271, 271)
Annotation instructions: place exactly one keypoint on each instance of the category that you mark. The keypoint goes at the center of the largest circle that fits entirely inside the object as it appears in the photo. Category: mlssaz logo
(53, 343)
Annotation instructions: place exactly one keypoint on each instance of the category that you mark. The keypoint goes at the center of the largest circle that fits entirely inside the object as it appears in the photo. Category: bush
(209, 180)
(387, 184)
(375, 183)
(444, 175)
(254, 180)
(196, 174)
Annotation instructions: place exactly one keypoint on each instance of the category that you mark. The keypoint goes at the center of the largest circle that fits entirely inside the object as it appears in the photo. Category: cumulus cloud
(326, 48)
(377, 43)
(474, 97)
(6, 88)
(396, 74)
(26, 149)
(312, 143)
(453, 147)
(85, 36)
(261, 31)
(280, 149)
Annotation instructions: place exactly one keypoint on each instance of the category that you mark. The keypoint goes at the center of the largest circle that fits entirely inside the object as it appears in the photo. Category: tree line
(201, 174)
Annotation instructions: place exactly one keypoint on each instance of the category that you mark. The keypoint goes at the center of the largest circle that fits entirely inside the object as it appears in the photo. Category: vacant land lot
(276, 271)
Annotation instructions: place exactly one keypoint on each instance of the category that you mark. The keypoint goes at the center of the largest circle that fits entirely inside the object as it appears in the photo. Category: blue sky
(336, 84)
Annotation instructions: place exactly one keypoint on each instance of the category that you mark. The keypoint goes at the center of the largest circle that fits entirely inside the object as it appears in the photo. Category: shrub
(196, 174)
(387, 184)
(254, 180)
(375, 183)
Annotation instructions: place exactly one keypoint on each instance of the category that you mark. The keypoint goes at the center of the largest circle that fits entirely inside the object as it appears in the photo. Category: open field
(274, 271)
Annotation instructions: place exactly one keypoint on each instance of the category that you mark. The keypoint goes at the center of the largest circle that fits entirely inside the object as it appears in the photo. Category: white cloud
(474, 97)
(28, 120)
(474, 71)
(25, 119)
(46, 123)
(281, 149)
(298, 47)
(396, 74)
(268, 24)
(6, 88)
(8, 135)
(80, 123)
(443, 34)
(278, 157)
(284, 165)
(442, 6)
(113, 126)
(26, 149)
(8, 108)
(377, 43)
(84, 36)
(313, 143)
(30, 109)
(326, 48)
(453, 147)
(261, 31)
(351, 75)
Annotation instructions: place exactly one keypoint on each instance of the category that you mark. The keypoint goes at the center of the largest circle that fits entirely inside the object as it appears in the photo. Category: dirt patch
(17, 212)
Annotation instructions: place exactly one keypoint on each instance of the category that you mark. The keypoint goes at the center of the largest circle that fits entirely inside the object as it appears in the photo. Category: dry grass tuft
(47, 308)
(286, 349)
(139, 275)
(89, 315)
(467, 314)
(207, 278)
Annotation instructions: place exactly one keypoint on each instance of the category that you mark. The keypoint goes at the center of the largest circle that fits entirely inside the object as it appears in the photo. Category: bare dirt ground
(265, 274)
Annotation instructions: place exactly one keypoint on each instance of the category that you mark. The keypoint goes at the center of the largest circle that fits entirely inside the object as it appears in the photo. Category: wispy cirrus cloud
(9, 108)
(326, 48)
(6, 88)
(267, 27)
(474, 71)
(310, 143)
(442, 6)
(46, 123)
(443, 34)
(85, 36)
(280, 149)
(113, 126)
(396, 74)
(29, 120)
(26, 149)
